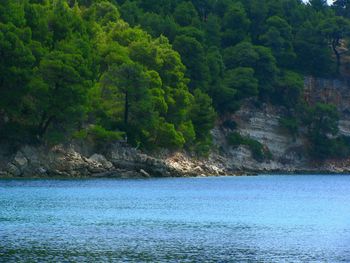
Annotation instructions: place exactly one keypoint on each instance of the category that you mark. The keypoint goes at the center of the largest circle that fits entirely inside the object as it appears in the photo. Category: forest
(160, 73)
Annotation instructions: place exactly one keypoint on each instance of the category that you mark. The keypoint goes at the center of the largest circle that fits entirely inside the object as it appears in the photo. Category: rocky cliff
(259, 122)
(119, 161)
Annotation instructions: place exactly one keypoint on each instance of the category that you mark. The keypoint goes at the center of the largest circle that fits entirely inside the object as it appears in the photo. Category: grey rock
(20, 161)
(144, 173)
(102, 160)
(41, 171)
(3, 174)
(32, 154)
(13, 170)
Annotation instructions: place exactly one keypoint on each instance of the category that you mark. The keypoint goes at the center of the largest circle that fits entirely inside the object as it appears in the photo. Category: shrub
(324, 147)
(99, 135)
(230, 124)
(203, 147)
(291, 124)
(258, 150)
(169, 137)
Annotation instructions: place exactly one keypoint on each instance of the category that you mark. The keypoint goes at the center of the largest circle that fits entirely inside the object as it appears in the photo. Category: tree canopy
(158, 71)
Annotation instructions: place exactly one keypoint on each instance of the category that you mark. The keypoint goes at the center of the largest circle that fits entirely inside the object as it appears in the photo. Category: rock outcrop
(119, 161)
(66, 161)
(261, 123)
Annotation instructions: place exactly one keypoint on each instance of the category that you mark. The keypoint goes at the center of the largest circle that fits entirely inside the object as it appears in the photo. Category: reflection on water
(267, 218)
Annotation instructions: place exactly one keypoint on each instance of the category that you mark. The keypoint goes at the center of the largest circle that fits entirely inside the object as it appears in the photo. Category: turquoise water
(236, 219)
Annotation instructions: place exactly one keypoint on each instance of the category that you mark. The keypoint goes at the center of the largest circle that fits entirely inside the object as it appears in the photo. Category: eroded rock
(13, 170)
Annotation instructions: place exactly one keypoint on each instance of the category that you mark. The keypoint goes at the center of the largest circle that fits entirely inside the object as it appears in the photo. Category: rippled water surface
(238, 219)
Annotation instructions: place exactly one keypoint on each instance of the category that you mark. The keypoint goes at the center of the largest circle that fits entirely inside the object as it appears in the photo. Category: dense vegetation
(159, 72)
(69, 67)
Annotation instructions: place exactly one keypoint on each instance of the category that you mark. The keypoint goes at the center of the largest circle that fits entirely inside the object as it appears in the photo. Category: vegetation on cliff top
(159, 72)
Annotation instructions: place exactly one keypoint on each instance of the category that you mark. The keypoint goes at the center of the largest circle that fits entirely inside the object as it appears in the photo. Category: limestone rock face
(261, 123)
(332, 91)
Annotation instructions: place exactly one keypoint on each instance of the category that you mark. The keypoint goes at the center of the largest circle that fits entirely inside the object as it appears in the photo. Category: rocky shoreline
(121, 161)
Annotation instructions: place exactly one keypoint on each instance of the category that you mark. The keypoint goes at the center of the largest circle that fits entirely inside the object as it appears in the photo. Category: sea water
(219, 219)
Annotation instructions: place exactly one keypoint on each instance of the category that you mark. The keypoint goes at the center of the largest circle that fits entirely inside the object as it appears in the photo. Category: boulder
(32, 154)
(98, 158)
(144, 173)
(41, 171)
(13, 170)
(20, 161)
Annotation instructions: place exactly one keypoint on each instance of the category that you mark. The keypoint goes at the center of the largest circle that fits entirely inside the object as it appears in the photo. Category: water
(238, 219)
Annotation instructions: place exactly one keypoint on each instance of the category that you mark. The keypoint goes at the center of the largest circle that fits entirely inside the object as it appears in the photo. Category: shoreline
(74, 162)
(323, 173)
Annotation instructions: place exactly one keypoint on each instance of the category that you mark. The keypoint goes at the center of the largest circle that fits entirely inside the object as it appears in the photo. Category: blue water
(236, 219)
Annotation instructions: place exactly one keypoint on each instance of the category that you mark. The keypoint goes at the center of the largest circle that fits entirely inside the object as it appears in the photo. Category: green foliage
(322, 121)
(61, 91)
(318, 5)
(203, 148)
(167, 136)
(274, 38)
(203, 116)
(291, 124)
(67, 64)
(103, 13)
(279, 38)
(98, 136)
(242, 80)
(155, 69)
(289, 89)
(185, 14)
(314, 54)
(16, 62)
(192, 53)
(342, 8)
(340, 147)
(260, 153)
(99, 133)
(235, 24)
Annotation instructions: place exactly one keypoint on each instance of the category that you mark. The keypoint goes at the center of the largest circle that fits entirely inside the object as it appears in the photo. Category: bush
(235, 139)
(99, 135)
(324, 147)
(322, 123)
(258, 150)
(230, 124)
(341, 147)
(291, 124)
(169, 137)
(203, 147)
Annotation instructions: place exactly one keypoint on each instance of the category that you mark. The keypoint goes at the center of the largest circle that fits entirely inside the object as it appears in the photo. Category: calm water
(243, 219)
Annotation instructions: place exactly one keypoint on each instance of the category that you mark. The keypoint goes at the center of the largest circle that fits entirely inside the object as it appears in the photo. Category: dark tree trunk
(335, 43)
(44, 125)
(126, 109)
